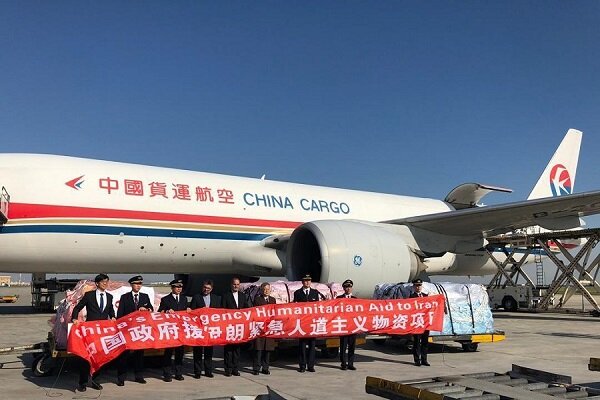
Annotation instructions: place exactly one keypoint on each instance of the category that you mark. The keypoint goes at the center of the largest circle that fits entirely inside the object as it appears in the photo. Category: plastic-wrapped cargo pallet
(468, 309)
(60, 320)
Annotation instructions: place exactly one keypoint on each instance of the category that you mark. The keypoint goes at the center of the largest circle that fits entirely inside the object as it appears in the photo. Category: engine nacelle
(367, 253)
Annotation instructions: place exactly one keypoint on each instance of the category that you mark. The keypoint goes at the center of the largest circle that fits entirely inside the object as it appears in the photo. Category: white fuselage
(78, 215)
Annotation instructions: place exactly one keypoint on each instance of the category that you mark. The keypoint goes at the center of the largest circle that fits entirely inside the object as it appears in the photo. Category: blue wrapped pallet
(467, 305)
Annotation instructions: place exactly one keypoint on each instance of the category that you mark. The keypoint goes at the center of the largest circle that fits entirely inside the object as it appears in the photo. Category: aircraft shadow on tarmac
(14, 309)
(571, 335)
(65, 372)
(396, 348)
(546, 317)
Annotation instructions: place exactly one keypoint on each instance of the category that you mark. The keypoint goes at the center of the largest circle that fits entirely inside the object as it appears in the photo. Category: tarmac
(557, 343)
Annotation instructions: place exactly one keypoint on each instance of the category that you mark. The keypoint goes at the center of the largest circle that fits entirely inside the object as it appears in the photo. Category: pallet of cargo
(468, 342)
(468, 319)
(520, 383)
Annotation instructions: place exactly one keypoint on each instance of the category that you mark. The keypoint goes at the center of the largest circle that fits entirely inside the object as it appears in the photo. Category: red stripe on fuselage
(22, 210)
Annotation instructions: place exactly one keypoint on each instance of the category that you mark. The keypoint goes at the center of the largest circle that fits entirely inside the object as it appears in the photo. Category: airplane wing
(551, 213)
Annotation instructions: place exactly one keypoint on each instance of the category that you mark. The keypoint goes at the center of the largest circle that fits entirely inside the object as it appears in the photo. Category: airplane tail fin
(558, 178)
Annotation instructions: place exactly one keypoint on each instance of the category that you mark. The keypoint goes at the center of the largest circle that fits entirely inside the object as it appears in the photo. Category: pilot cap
(307, 278)
(176, 283)
(136, 279)
(417, 282)
(348, 282)
(100, 277)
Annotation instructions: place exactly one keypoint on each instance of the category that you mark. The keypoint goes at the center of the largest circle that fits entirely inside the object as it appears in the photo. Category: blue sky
(393, 96)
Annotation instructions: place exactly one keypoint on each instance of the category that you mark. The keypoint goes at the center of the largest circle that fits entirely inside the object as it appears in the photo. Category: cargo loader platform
(520, 383)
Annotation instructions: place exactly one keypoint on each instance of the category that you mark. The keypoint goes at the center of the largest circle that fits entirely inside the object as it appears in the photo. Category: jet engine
(367, 253)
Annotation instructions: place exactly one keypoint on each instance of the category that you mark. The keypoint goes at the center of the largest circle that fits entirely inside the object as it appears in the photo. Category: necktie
(306, 292)
(347, 296)
(101, 301)
(267, 299)
(135, 300)
(177, 298)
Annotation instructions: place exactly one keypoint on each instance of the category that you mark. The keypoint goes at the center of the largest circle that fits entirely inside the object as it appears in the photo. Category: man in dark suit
(263, 346)
(233, 299)
(347, 342)
(206, 299)
(420, 342)
(99, 306)
(172, 302)
(306, 294)
(131, 302)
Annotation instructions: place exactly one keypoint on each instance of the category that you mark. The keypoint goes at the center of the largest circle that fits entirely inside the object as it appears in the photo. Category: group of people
(99, 306)
(307, 351)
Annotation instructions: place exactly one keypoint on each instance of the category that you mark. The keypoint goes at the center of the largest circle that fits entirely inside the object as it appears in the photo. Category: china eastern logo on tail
(560, 181)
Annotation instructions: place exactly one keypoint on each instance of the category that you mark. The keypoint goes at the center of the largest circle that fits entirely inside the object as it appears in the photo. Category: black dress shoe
(227, 373)
(236, 373)
(417, 363)
(95, 385)
(425, 363)
(209, 375)
(178, 377)
(266, 372)
(81, 387)
(255, 372)
(344, 367)
(167, 379)
(140, 380)
(311, 370)
(120, 383)
(301, 369)
(197, 376)
(351, 367)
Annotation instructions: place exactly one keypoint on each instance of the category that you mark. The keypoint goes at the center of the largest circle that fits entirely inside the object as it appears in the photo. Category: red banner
(101, 341)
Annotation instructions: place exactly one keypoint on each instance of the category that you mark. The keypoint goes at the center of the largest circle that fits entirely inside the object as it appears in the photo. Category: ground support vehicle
(9, 298)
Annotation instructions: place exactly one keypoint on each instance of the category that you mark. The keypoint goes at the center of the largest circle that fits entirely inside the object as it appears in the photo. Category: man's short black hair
(100, 278)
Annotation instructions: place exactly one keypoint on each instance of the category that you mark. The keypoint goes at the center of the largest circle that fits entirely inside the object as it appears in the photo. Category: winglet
(558, 178)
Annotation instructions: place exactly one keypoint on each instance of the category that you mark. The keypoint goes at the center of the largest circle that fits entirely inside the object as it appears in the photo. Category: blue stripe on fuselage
(128, 231)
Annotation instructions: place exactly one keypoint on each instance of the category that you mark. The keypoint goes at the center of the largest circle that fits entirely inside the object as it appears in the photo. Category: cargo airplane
(72, 215)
